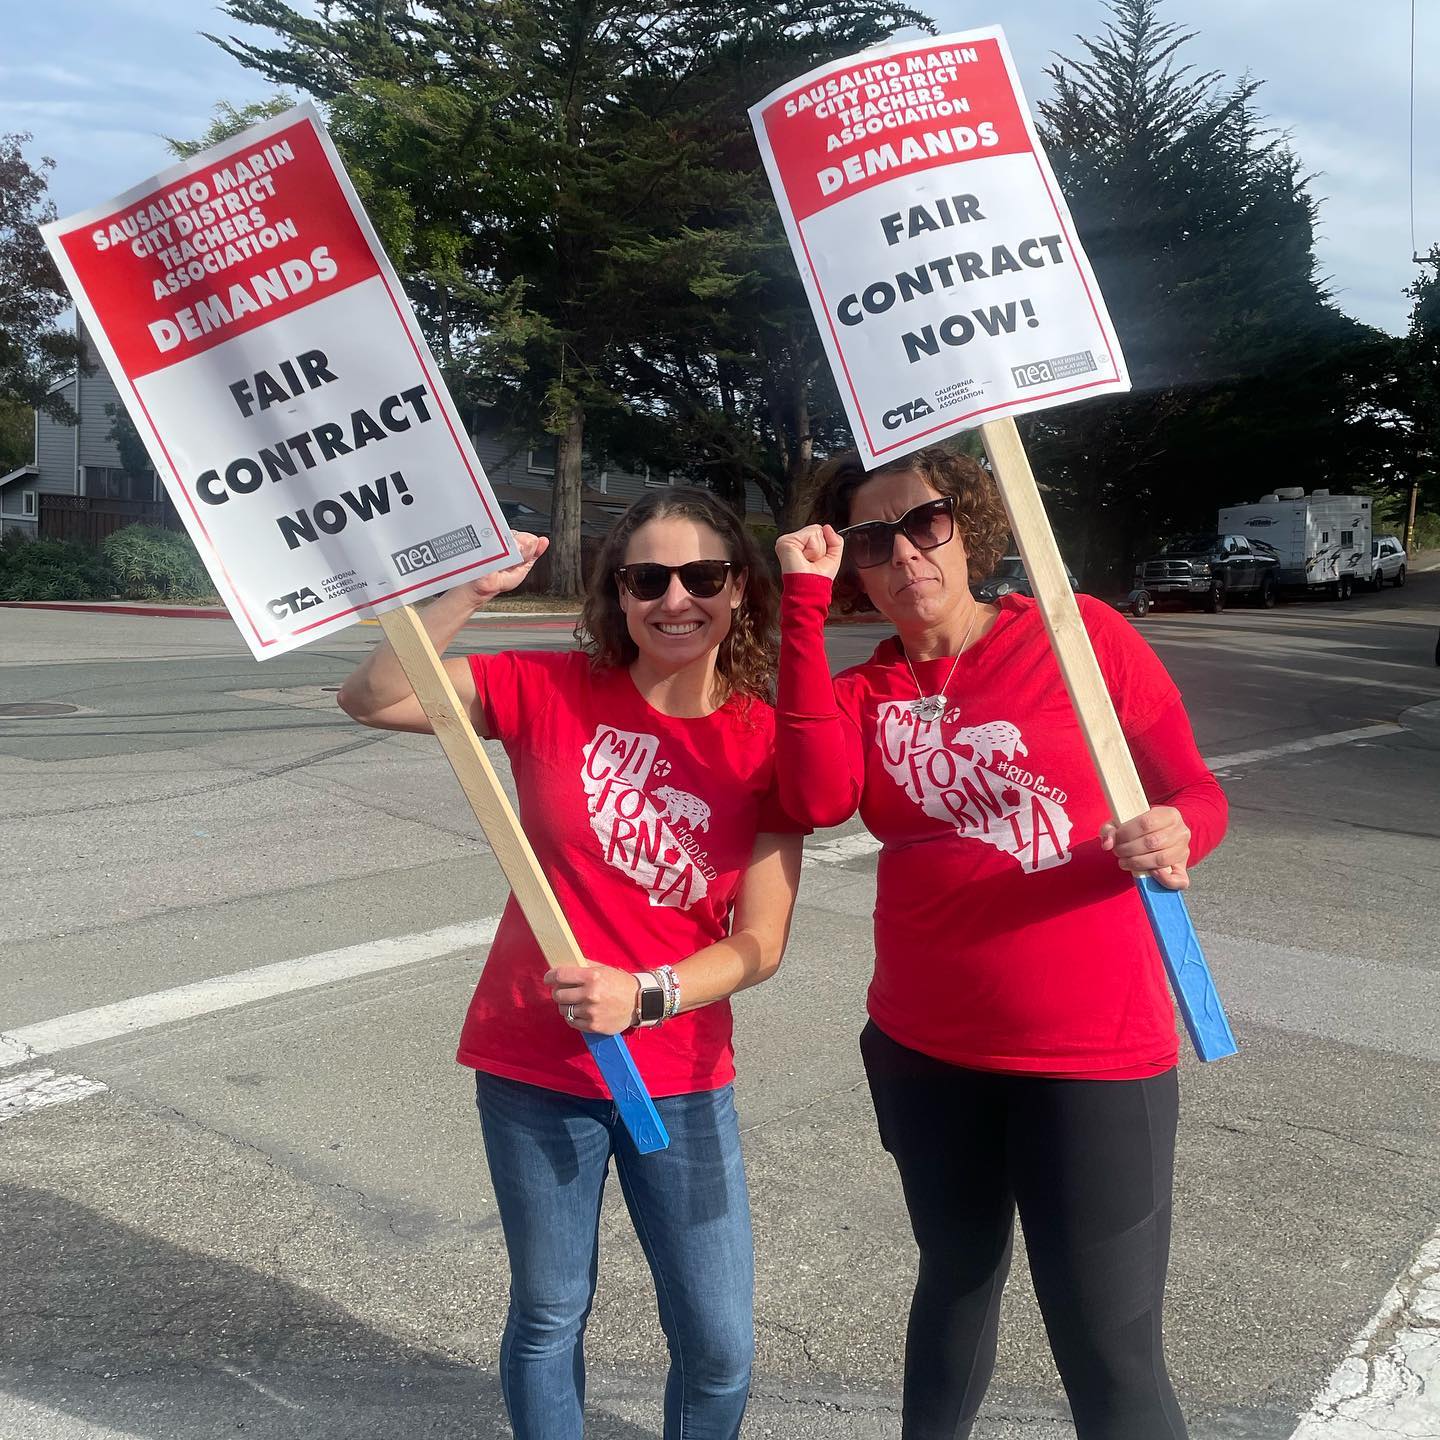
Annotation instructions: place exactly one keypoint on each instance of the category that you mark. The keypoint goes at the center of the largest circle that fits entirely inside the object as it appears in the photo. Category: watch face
(652, 1002)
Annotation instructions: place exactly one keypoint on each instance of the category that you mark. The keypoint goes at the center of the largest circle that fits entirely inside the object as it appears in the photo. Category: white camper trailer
(1321, 540)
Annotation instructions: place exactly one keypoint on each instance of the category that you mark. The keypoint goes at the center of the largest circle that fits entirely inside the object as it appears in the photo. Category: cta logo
(915, 409)
(284, 606)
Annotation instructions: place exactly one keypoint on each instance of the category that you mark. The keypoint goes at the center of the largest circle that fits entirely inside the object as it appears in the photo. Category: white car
(1390, 559)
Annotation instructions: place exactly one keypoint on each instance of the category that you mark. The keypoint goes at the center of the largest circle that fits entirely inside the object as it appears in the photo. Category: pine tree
(1200, 225)
(572, 195)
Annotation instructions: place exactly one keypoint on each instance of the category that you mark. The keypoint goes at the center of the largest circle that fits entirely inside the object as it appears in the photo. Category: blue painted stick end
(617, 1068)
(1190, 978)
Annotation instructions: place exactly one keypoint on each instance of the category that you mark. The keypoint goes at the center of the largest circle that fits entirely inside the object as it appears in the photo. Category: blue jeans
(549, 1154)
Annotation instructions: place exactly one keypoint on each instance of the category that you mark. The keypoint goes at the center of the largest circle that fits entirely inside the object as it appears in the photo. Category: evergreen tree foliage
(1200, 224)
(34, 353)
(571, 191)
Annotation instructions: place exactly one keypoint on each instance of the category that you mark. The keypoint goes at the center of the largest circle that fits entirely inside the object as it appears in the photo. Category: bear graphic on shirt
(638, 831)
(966, 776)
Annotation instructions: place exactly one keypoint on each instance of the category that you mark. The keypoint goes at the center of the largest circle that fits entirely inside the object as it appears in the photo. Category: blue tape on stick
(612, 1055)
(1190, 978)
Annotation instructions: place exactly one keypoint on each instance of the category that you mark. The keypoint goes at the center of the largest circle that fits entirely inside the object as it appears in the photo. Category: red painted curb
(174, 612)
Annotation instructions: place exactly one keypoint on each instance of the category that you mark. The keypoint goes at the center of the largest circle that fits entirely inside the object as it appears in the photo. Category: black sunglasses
(648, 580)
(924, 526)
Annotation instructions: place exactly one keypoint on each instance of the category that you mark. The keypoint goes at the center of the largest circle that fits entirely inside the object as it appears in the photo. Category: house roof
(62, 382)
(529, 508)
(24, 472)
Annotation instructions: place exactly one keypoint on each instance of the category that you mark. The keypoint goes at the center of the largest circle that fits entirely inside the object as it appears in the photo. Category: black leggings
(1089, 1165)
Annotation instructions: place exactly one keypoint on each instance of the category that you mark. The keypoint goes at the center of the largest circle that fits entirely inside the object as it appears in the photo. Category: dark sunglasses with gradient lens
(704, 579)
(925, 526)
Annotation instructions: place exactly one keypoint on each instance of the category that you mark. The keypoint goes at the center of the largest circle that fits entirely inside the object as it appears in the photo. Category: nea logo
(292, 604)
(915, 409)
(417, 557)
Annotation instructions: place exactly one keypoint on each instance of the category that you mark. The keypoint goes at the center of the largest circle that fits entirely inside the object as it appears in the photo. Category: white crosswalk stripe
(37, 1089)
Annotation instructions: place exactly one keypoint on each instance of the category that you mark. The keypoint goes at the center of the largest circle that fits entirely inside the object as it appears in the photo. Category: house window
(1347, 537)
(1324, 537)
(540, 459)
(27, 502)
(107, 482)
(657, 478)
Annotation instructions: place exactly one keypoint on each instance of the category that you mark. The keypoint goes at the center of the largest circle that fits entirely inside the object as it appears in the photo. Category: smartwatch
(651, 1008)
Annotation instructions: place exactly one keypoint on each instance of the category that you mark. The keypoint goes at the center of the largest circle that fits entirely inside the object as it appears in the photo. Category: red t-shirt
(644, 825)
(1005, 938)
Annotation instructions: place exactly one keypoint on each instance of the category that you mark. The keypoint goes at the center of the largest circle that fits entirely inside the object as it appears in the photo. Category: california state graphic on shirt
(646, 831)
(968, 777)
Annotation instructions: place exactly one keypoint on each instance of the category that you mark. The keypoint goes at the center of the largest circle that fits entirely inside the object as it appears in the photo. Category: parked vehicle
(1207, 570)
(1010, 578)
(1388, 556)
(1322, 540)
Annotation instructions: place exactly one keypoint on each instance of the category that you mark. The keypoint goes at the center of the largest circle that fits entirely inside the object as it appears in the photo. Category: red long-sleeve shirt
(1005, 938)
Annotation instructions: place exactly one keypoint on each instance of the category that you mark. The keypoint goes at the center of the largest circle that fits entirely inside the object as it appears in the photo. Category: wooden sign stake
(1190, 978)
(411, 642)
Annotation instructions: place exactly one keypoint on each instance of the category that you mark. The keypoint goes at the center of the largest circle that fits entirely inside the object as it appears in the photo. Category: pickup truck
(1205, 571)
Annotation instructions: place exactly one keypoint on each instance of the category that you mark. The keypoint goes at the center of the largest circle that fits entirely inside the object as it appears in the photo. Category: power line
(1414, 248)
(1415, 254)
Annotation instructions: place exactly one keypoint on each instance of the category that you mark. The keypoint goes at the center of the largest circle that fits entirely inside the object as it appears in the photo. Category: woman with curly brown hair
(645, 772)
(1021, 1047)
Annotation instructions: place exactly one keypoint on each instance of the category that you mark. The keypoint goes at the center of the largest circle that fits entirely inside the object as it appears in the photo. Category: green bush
(153, 564)
(1427, 533)
(53, 570)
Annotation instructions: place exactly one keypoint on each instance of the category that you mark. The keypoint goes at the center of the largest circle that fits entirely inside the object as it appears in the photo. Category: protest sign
(267, 354)
(951, 293)
(940, 260)
(274, 368)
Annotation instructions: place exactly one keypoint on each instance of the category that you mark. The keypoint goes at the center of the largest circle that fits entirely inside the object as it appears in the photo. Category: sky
(99, 83)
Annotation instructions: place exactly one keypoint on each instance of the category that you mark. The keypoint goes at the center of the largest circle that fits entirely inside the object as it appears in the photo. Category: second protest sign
(934, 243)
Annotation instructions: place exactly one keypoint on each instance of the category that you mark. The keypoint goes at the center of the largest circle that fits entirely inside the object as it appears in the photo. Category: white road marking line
(225, 992)
(245, 1378)
(1298, 747)
(36, 1089)
(1387, 1386)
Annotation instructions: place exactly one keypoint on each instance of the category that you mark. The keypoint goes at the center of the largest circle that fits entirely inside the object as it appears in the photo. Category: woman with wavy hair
(1021, 1046)
(643, 761)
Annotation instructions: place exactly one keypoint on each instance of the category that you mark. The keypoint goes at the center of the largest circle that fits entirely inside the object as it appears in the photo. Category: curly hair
(746, 662)
(979, 513)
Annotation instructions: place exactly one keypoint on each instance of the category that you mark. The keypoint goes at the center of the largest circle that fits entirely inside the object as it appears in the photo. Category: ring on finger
(570, 1014)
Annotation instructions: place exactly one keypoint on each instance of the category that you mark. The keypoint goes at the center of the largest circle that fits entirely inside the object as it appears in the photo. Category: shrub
(53, 570)
(154, 564)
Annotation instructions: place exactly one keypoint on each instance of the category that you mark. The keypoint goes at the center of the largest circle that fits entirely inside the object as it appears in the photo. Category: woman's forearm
(812, 736)
(379, 682)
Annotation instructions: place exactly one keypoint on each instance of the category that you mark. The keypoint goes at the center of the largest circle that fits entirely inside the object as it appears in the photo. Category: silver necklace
(930, 708)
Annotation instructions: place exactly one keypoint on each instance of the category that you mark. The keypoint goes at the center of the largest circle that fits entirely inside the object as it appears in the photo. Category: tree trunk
(801, 462)
(566, 578)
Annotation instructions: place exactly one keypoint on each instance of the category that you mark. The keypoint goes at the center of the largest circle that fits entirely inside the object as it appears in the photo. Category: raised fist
(497, 582)
(815, 550)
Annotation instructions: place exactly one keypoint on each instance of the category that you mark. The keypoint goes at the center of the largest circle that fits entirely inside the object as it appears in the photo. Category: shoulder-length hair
(745, 664)
(979, 513)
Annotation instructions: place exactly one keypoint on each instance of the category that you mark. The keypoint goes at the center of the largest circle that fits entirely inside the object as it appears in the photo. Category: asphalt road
(274, 1218)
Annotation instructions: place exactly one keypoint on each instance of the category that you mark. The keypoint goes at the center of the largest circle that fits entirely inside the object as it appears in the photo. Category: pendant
(928, 708)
